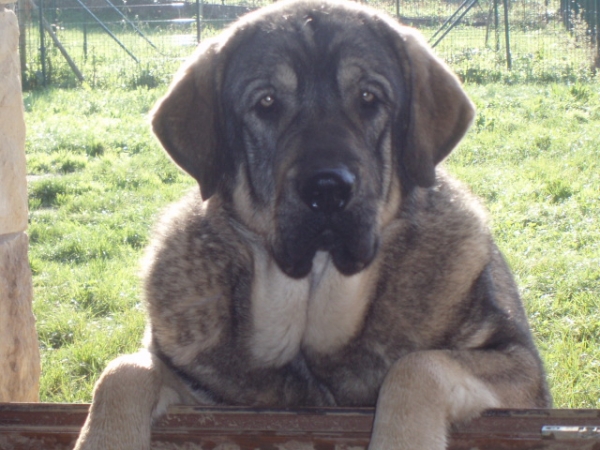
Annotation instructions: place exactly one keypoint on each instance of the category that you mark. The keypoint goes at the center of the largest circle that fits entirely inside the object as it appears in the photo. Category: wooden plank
(33, 426)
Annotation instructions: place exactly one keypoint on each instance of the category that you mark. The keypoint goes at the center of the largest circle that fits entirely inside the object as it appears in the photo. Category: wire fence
(129, 43)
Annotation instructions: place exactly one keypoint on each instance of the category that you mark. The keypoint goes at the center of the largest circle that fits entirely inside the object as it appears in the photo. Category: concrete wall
(19, 353)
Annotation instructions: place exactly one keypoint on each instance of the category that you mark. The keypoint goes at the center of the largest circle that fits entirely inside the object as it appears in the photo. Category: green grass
(533, 157)
(98, 180)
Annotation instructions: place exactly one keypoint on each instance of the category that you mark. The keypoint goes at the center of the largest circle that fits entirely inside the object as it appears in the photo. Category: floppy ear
(187, 119)
(439, 111)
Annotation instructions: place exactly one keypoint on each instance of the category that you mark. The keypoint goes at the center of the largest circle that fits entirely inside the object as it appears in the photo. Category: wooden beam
(32, 426)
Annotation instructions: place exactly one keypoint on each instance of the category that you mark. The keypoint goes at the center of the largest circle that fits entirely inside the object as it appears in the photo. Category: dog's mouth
(326, 241)
(352, 248)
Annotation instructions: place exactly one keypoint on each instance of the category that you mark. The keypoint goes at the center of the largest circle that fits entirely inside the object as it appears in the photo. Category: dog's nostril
(328, 190)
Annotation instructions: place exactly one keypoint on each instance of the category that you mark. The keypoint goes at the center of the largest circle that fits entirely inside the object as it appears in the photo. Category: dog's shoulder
(195, 230)
(434, 255)
(193, 265)
(195, 251)
(449, 205)
(445, 221)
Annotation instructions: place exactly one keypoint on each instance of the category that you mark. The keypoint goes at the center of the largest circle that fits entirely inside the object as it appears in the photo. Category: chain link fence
(129, 43)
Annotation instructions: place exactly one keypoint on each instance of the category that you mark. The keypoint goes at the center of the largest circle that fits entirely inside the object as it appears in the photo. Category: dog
(326, 258)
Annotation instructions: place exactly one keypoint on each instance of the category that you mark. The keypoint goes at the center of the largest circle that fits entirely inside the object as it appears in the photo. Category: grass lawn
(98, 180)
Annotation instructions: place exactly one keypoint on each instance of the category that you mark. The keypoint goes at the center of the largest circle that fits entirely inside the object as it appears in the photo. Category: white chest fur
(322, 311)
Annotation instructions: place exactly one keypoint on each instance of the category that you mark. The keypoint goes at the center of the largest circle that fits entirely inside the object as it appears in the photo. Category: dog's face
(313, 110)
(311, 121)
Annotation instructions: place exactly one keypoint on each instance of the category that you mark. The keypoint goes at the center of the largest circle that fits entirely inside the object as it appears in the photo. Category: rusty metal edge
(498, 429)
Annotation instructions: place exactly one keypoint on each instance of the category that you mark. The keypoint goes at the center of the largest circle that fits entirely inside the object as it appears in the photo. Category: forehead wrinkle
(250, 73)
(248, 88)
(308, 32)
(286, 77)
(352, 70)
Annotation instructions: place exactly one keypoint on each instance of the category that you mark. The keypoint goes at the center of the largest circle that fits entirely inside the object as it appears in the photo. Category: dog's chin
(348, 263)
(348, 258)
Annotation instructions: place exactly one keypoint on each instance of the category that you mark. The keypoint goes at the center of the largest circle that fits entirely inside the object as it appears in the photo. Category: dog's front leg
(132, 390)
(422, 394)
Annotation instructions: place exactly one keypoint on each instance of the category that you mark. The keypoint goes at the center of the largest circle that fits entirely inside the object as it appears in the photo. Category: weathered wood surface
(55, 426)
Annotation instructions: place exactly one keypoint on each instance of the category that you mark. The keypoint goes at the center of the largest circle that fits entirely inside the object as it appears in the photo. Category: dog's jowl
(326, 259)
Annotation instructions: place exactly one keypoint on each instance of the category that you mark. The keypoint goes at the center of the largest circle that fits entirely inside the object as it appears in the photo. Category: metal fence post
(507, 36)
(597, 33)
(42, 43)
(199, 12)
(496, 25)
(22, 17)
(85, 42)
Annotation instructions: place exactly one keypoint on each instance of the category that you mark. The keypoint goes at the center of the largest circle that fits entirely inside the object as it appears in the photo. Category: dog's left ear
(439, 111)
(187, 119)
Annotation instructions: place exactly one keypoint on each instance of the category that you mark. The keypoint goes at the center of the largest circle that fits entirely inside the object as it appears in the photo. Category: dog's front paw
(125, 398)
(390, 433)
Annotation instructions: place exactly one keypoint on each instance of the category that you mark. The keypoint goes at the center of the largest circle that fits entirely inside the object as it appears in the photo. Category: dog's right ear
(187, 119)
(439, 111)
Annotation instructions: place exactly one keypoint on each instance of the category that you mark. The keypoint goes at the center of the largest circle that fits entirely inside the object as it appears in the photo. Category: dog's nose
(328, 190)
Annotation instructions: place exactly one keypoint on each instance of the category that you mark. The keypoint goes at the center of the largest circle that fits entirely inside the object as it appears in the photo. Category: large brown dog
(327, 261)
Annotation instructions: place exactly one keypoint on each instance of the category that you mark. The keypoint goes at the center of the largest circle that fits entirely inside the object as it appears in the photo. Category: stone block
(19, 352)
(13, 182)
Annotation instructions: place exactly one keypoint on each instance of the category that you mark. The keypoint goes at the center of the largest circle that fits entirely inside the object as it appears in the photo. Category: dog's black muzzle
(330, 216)
(328, 191)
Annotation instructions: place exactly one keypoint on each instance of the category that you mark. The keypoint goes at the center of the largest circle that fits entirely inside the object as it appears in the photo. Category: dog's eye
(267, 101)
(367, 97)
(369, 104)
(267, 107)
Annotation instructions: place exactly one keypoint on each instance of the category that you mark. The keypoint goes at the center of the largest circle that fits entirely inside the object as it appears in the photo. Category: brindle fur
(398, 299)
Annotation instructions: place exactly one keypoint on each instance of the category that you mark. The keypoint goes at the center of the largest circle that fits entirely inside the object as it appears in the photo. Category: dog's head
(311, 120)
